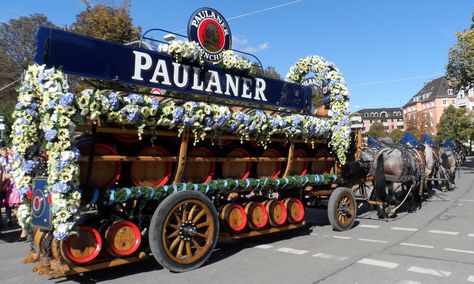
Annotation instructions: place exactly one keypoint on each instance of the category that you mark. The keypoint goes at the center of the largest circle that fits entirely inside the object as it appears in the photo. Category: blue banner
(93, 58)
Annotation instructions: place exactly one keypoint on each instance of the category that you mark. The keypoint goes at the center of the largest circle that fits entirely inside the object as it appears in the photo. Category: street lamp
(2, 129)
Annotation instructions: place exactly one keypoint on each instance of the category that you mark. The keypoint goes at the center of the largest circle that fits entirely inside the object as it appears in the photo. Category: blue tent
(428, 140)
(449, 143)
(408, 138)
(372, 142)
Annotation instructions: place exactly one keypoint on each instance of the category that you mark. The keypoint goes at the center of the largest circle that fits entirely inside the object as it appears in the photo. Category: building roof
(437, 88)
(390, 112)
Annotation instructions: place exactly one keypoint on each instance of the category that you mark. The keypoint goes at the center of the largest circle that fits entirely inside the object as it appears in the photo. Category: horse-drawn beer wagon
(225, 153)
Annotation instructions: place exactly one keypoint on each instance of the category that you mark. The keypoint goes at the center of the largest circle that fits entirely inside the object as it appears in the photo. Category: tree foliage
(269, 71)
(112, 23)
(396, 135)
(455, 124)
(377, 130)
(460, 68)
(419, 124)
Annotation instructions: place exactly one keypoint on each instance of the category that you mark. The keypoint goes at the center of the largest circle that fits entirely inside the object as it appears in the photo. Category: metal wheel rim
(345, 210)
(179, 243)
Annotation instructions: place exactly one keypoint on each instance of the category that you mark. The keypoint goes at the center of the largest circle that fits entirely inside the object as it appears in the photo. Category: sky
(386, 49)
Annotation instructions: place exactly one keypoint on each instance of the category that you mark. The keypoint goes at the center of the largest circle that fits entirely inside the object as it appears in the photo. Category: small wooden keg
(122, 238)
(299, 168)
(233, 217)
(78, 249)
(294, 209)
(199, 172)
(276, 212)
(257, 215)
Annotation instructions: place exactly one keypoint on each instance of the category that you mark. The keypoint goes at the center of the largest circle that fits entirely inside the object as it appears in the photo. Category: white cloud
(241, 43)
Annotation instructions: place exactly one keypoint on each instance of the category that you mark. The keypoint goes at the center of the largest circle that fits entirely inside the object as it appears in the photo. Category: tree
(269, 71)
(17, 49)
(396, 135)
(455, 124)
(419, 124)
(107, 22)
(377, 130)
(460, 67)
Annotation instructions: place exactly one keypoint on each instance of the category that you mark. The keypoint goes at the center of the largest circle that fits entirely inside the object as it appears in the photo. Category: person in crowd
(2, 192)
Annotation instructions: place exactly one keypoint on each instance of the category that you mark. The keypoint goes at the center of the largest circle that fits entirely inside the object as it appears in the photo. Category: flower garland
(332, 82)
(200, 117)
(24, 138)
(219, 186)
(182, 50)
(44, 103)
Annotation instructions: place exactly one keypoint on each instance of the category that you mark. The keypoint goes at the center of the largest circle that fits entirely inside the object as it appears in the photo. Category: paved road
(433, 245)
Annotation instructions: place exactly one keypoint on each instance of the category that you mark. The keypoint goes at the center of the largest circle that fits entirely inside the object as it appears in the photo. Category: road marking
(329, 256)
(373, 241)
(471, 235)
(264, 246)
(374, 262)
(342, 237)
(470, 278)
(459, 250)
(440, 273)
(416, 245)
(292, 251)
(408, 282)
(466, 200)
(460, 204)
(443, 232)
(370, 226)
(404, 229)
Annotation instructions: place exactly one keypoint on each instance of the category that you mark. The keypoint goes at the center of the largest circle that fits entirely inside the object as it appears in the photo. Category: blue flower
(16, 156)
(50, 105)
(32, 112)
(344, 121)
(63, 164)
(28, 166)
(23, 190)
(114, 101)
(41, 78)
(59, 235)
(66, 100)
(19, 105)
(50, 134)
(155, 103)
(296, 120)
(208, 121)
(61, 187)
(135, 99)
(178, 114)
(133, 116)
(222, 120)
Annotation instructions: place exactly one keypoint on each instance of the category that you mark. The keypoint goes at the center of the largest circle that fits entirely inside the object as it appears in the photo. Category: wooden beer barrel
(41, 239)
(151, 173)
(104, 174)
(199, 172)
(233, 217)
(269, 169)
(236, 170)
(294, 210)
(78, 249)
(257, 215)
(299, 168)
(122, 238)
(276, 212)
(321, 167)
(126, 138)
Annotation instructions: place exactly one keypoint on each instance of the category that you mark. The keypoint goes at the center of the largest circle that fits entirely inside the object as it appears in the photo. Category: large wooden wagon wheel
(342, 209)
(183, 231)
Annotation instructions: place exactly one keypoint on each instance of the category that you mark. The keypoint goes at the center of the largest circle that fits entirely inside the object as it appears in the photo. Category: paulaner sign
(93, 58)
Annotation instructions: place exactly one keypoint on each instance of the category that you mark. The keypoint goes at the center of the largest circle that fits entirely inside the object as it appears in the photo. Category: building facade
(425, 108)
(391, 118)
(465, 99)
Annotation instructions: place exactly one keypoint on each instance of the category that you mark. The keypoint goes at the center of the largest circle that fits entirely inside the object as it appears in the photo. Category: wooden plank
(183, 149)
(289, 164)
(226, 236)
(121, 158)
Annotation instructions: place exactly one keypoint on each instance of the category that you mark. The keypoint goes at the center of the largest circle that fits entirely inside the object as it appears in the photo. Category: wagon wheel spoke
(196, 245)
(203, 224)
(198, 216)
(176, 217)
(179, 253)
(174, 226)
(174, 243)
(173, 234)
(201, 235)
(188, 249)
(191, 212)
(184, 212)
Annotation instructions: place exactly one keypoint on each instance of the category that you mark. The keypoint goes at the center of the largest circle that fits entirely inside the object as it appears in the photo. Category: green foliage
(460, 67)
(107, 22)
(455, 124)
(269, 71)
(377, 130)
(396, 135)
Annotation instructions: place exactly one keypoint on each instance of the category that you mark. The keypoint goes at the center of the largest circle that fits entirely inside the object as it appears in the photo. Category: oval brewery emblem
(210, 30)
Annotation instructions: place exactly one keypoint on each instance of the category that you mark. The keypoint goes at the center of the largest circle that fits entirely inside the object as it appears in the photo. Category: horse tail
(380, 177)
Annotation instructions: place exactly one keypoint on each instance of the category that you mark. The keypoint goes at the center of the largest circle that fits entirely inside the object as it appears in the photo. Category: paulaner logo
(210, 30)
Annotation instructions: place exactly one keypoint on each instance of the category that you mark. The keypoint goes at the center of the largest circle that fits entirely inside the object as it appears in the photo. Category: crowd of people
(9, 195)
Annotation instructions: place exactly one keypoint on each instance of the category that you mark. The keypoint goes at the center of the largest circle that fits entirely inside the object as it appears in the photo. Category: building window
(450, 92)
(366, 114)
(445, 102)
(400, 126)
(452, 102)
(431, 113)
